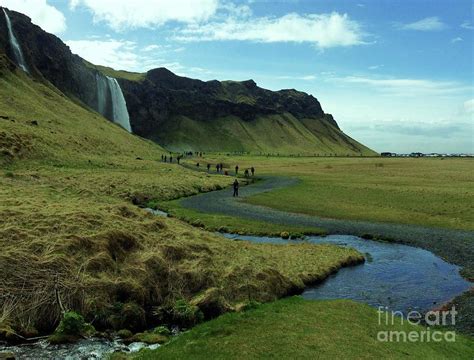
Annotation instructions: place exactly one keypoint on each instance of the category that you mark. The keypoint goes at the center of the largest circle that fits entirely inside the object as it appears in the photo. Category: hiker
(178, 158)
(252, 170)
(208, 167)
(161, 157)
(197, 165)
(236, 188)
(171, 159)
(166, 159)
(246, 173)
(236, 169)
(217, 168)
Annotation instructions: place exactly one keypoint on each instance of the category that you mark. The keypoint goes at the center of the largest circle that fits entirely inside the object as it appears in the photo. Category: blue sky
(396, 75)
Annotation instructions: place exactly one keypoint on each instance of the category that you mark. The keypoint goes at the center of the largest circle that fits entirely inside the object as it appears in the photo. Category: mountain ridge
(168, 108)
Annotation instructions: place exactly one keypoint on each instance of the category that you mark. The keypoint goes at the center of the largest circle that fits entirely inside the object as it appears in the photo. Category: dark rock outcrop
(160, 98)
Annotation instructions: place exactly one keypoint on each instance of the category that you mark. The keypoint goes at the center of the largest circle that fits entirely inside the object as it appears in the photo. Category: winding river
(396, 276)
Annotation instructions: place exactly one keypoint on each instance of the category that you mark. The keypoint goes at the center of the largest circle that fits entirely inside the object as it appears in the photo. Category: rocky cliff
(182, 113)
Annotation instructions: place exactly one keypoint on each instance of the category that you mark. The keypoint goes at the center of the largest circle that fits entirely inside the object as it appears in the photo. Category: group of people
(166, 158)
(246, 172)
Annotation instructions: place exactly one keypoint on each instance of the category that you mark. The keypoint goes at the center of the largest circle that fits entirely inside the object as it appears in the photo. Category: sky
(396, 75)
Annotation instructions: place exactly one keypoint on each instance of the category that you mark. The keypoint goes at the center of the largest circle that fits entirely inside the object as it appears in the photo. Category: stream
(400, 277)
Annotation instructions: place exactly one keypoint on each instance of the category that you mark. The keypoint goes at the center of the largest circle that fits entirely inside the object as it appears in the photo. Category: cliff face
(182, 113)
(49, 58)
(163, 95)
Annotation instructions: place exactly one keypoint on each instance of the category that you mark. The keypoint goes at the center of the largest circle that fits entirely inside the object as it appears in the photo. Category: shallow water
(400, 277)
(87, 349)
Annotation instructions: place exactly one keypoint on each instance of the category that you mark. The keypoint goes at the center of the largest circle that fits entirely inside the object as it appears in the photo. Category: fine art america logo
(394, 329)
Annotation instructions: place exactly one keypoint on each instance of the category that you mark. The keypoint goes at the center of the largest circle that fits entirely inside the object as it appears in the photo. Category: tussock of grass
(95, 254)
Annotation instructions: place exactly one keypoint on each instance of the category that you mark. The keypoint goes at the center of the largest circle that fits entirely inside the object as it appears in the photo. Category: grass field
(430, 192)
(70, 229)
(233, 224)
(295, 328)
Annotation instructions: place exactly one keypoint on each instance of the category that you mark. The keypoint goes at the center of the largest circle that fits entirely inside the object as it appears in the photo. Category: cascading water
(111, 102)
(15, 45)
(102, 94)
(119, 106)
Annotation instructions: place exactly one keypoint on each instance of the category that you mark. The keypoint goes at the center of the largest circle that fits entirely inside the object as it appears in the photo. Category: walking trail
(456, 246)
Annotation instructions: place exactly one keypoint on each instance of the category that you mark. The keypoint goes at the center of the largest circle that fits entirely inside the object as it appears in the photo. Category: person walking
(208, 167)
(252, 170)
(171, 159)
(236, 188)
(217, 168)
(236, 169)
(246, 173)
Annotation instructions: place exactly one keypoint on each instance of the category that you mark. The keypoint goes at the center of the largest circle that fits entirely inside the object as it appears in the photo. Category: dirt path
(455, 246)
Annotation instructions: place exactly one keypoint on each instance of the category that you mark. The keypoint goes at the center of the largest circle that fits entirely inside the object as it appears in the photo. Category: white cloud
(426, 24)
(467, 25)
(323, 30)
(407, 87)
(375, 67)
(124, 14)
(456, 39)
(118, 54)
(302, 77)
(126, 55)
(151, 48)
(469, 106)
(40, 12)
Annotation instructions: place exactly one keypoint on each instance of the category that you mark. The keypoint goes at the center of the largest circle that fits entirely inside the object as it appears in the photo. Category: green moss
(124, 334)
(149, 338)
(71, 328)
(162, 330)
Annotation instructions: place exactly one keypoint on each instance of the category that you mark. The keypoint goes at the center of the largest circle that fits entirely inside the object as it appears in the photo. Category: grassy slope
(67, 222)
(282, 134)
(295, 328)
(118, 74)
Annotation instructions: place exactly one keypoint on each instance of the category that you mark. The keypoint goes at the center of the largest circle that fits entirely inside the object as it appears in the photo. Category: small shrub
(185, 314)
(9, 174)
(162, 330)
(71, 328)
(285, 235)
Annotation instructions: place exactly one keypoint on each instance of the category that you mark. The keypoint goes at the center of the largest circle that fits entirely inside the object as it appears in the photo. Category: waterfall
(110, 101)
(119, 106)
(102, 95)
(14, 45)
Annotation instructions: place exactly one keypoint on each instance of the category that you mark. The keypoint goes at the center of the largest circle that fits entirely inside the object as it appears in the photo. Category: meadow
(297, 328)
(433, 192)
